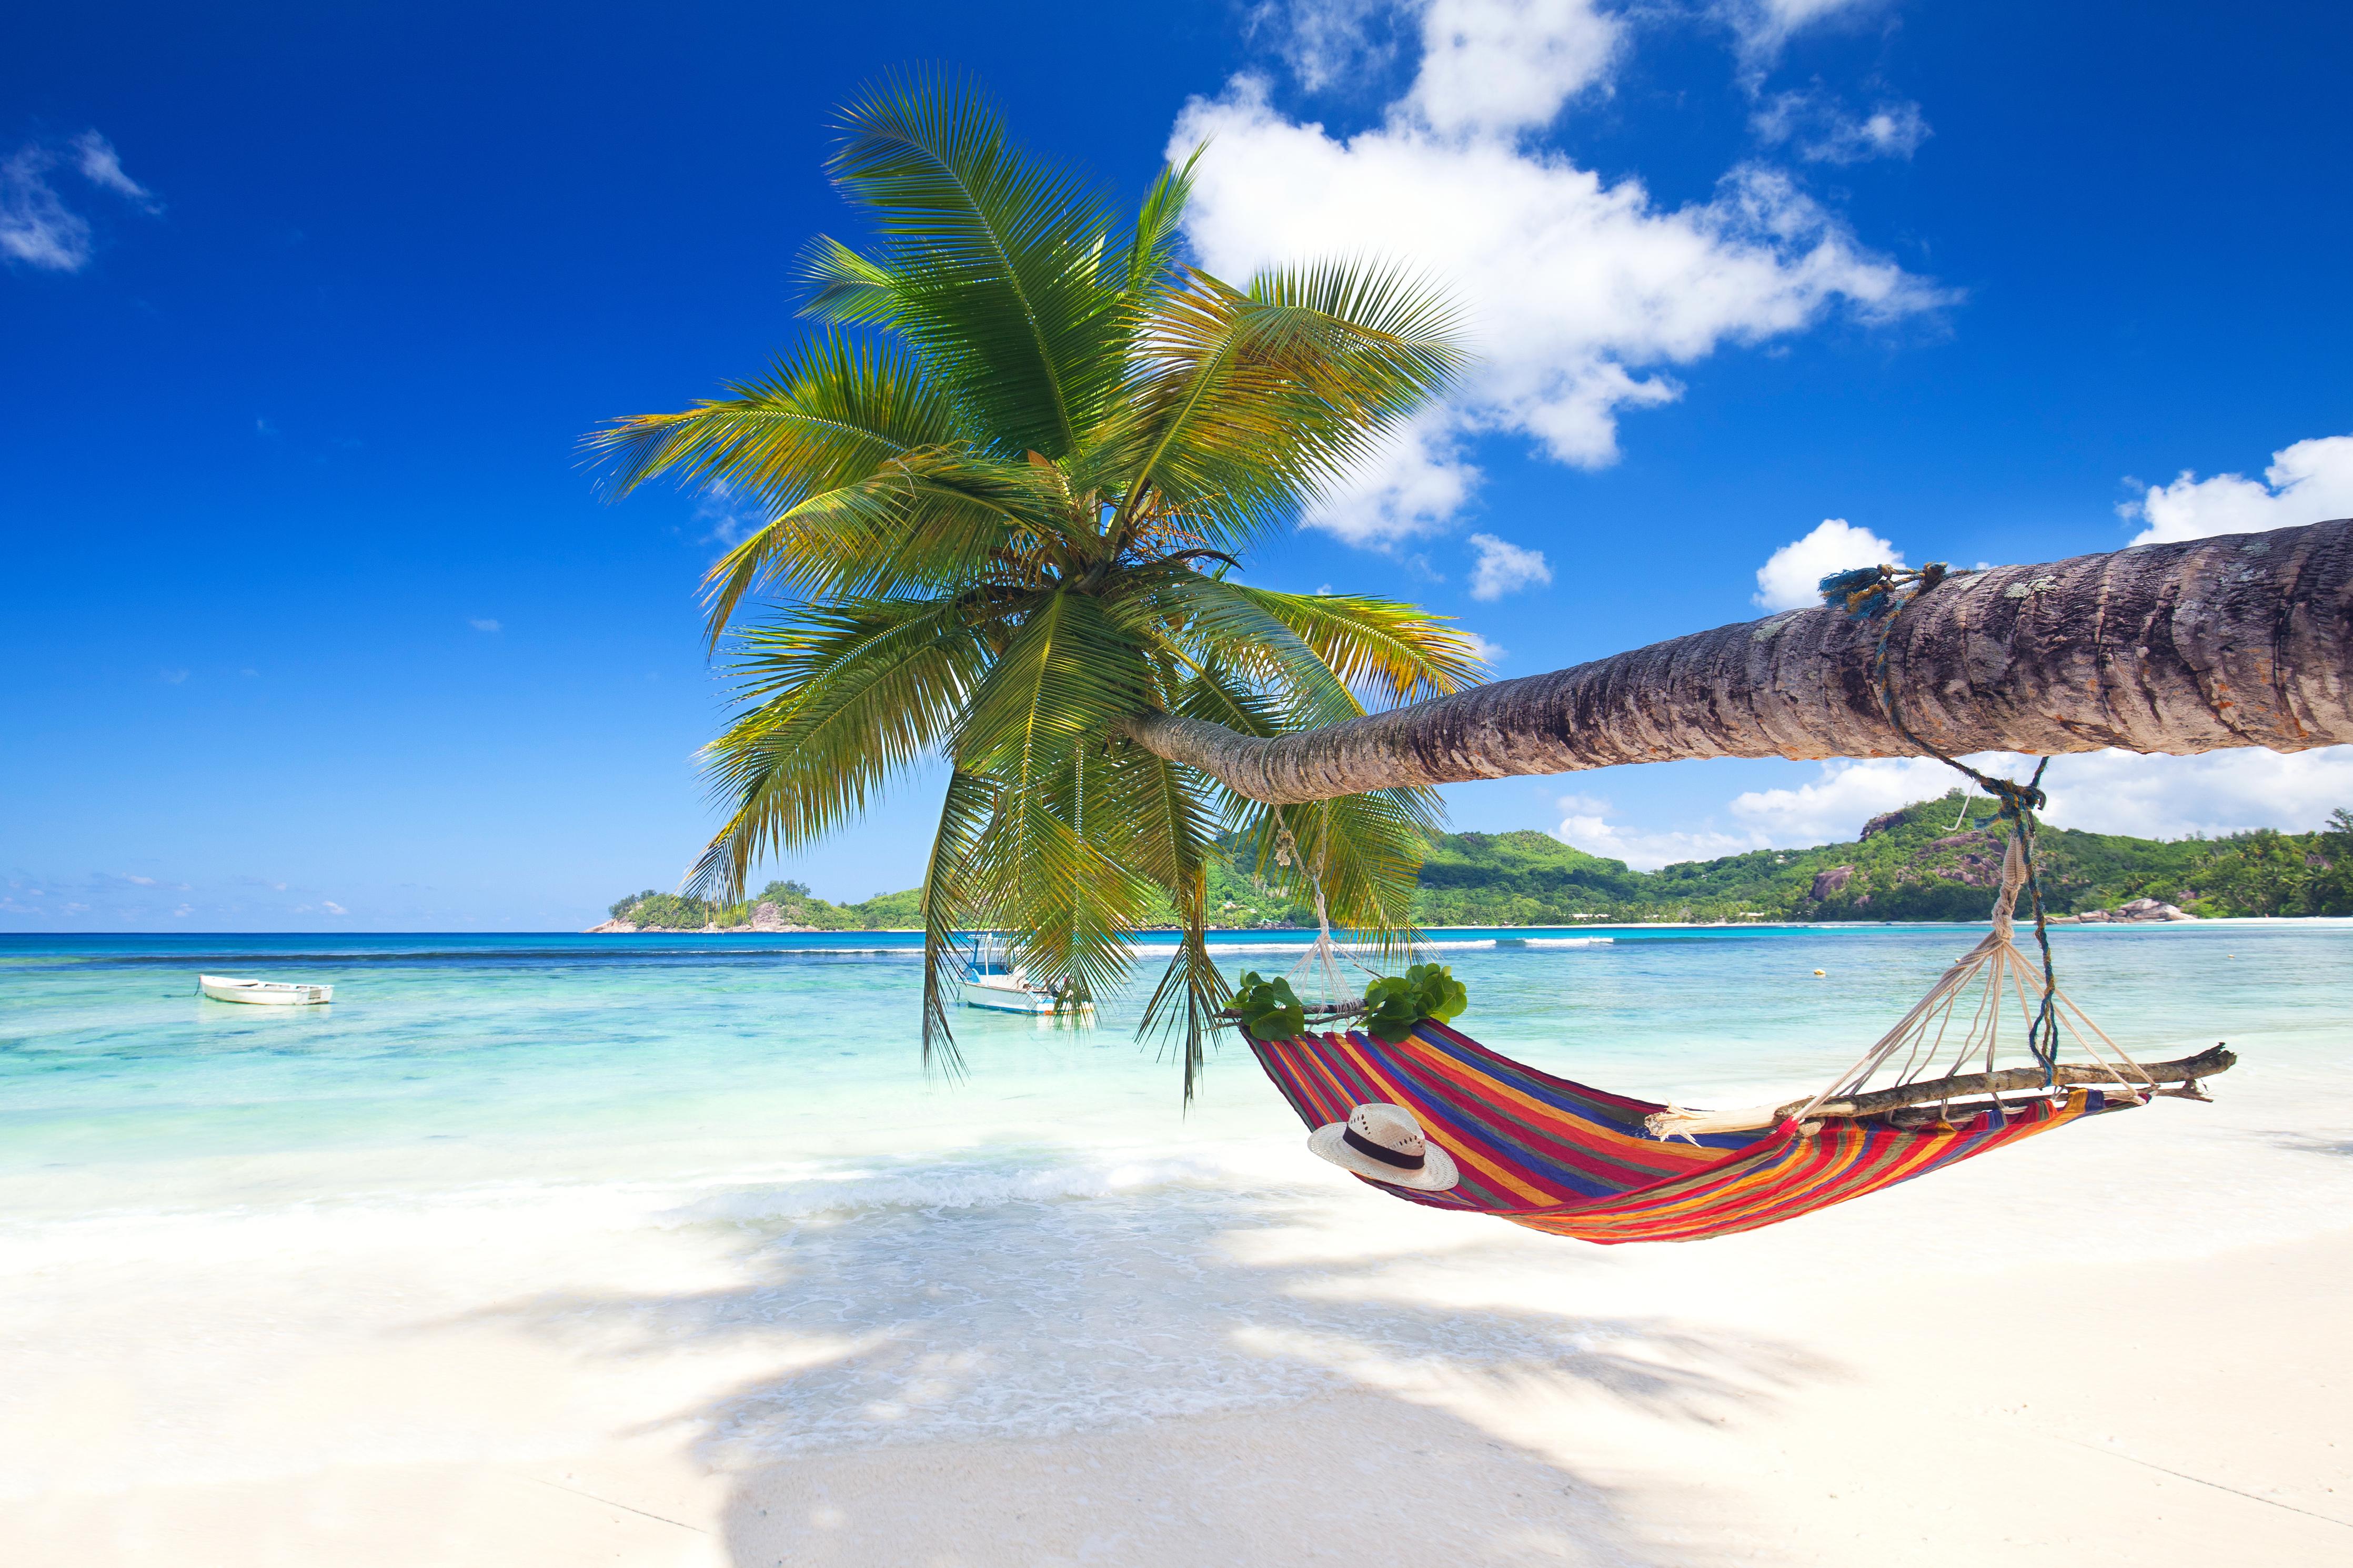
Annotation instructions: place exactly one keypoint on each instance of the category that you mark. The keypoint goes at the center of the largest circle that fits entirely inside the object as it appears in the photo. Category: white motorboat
(992, 980)
(266, 993)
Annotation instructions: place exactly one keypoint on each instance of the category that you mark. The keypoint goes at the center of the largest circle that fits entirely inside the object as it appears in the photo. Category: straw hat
(1385, 1144)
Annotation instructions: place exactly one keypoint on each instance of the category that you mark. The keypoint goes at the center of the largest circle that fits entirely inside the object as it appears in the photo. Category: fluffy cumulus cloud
(1791, 577)
(1587, 825)
(1504, 568)
(1847, 795)
(38, 227)
(2098, 792)
(2311, 481)
(1580, 295)
(1488, 653)
(1499, 65)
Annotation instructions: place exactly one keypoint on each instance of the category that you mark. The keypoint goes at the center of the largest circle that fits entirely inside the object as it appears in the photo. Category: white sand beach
(1318, 1375)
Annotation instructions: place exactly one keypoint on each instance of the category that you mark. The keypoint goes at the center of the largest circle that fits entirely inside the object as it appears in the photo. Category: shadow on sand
(1167, 1376)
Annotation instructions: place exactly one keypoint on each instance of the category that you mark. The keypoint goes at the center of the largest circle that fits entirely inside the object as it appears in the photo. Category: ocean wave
(1463, 944)
(492, 956)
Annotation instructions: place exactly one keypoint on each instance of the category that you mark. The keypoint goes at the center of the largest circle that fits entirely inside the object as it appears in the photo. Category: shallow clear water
(451, 1059)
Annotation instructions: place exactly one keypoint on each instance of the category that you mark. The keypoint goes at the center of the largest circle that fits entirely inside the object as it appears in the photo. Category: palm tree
(2201, 645)
(1009, 488)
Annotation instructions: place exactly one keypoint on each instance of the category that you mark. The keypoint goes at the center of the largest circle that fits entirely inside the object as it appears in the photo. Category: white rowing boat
(992, 980)
(266, 993)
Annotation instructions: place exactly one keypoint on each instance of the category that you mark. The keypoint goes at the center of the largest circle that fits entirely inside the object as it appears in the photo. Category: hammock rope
(1869, 592)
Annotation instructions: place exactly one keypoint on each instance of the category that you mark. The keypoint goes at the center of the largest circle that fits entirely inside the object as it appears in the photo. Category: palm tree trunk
(2242, 640)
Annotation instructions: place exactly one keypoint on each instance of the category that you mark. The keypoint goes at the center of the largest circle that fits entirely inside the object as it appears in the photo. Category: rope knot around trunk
(1869, 592)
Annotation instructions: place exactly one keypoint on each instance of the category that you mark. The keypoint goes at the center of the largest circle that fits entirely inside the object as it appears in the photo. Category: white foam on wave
(1451, 944)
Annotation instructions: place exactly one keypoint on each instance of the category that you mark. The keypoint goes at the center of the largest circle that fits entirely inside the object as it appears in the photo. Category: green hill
(796, 906)
(1926, 862)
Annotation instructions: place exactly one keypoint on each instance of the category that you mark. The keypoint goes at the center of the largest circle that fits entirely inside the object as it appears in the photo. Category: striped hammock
(1559, 1157)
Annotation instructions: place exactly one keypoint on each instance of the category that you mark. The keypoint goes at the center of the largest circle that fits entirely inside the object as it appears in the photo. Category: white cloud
(1324, 41)
(1586, 826)
(174, 676)
(1502, 64)
(1823, 132)
(1579, 294)
(2097, 792)
(727, 516)
(95, 156)
(1763, 27)
(1488, 653)
(1791, 577)
(1415, 484)
(483, 626)
(2218, 792)
(2311, 481)
(1504, 568)
(37, 227)
(333, 907)
(1847, 795)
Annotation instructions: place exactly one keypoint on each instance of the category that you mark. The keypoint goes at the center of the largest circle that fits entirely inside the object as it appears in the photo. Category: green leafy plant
(1397, 1003)
(1270, 1010)
(1007, 487)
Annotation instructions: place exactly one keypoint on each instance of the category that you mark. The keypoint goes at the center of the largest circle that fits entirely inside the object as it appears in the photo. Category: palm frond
(845, 287)
(926, 520)
(992, 260)
(1401, 652)
(1150, 258)
(1364, 850)
(1218, 620)
(1256, 398)
(846, 698)
(1036, 727)
(950, 902)
(828, 413)
(1168, 822)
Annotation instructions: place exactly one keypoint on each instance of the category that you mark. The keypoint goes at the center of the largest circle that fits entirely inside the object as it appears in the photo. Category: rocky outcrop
(1830, 884)
(767, 916)
(1880, 824)
(2141, 911)
(610, 928)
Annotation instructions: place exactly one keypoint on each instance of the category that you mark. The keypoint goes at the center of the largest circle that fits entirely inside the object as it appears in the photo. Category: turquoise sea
(691, 1057)
(736, 1133)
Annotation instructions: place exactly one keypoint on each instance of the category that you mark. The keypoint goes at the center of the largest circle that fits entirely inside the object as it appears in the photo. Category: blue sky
(313, 620)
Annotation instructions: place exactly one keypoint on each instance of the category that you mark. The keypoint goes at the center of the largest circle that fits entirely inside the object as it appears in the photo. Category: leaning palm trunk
(2242, 640)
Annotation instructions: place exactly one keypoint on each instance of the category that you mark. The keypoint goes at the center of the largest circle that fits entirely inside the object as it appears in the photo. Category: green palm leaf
(846, 698)
(992, 259)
